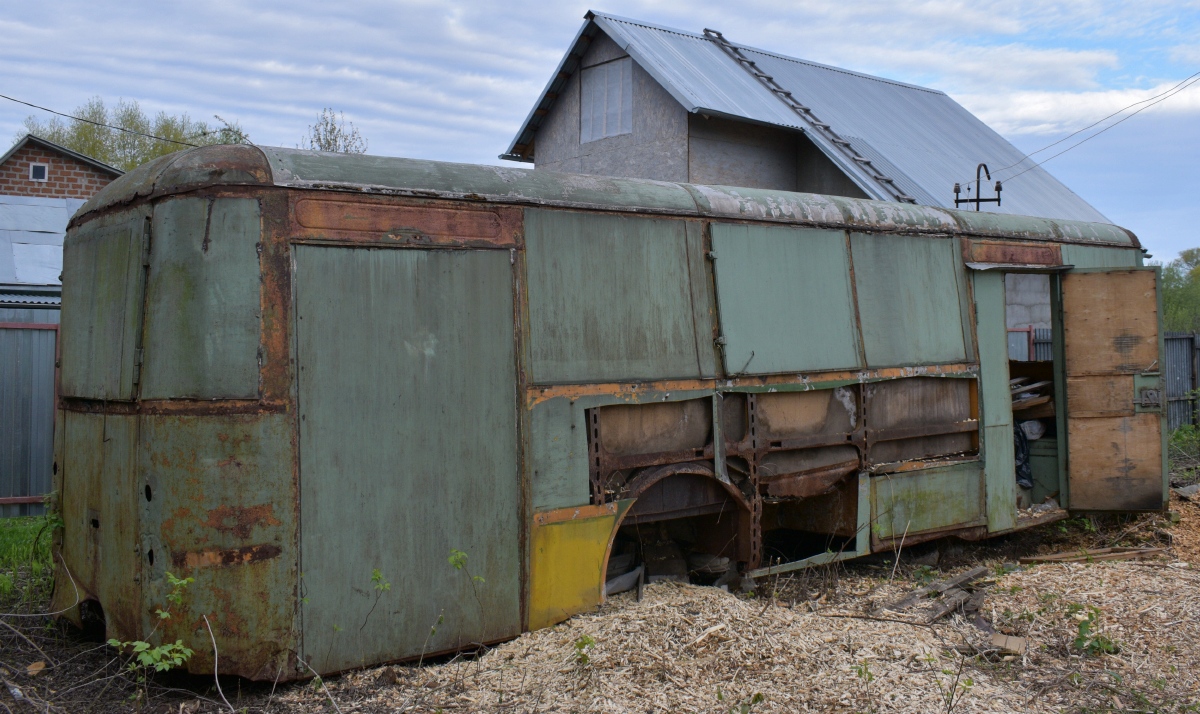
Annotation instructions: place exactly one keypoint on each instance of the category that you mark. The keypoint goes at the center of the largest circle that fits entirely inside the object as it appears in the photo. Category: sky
(453, 80)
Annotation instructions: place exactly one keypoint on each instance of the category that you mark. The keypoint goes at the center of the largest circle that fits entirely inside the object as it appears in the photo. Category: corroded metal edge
(383, 176)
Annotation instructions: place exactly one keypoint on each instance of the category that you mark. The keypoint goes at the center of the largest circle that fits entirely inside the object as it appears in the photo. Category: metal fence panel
(1043, 344)
(27, 413)
(1179, 371)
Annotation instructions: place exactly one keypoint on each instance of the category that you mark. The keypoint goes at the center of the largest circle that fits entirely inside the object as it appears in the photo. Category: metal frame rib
(807, 115)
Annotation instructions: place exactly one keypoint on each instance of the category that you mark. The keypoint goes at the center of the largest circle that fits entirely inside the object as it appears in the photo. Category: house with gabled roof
(42, 184)
(637, 100)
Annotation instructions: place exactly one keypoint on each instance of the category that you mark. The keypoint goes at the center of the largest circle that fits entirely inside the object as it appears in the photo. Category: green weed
(924, 574)
(1088, 640)
(583, 648)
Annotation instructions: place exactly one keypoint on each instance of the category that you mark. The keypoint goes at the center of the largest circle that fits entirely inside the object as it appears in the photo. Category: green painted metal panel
(786, 303)
(218, 503)
(704, 303)
(101, 512)
(1001, 474)
(910, 292)
(992, 331)
(930, 499)
(202, 307)
(1043, 459)
(1088, 256)
(609, 298)
(559, 454)
(1059, 347)
(995, 400)
(407, 397)
(101, 316)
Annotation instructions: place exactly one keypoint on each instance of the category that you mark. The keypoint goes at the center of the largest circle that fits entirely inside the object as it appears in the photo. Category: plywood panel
(1110, 322)
(785, 299)
(1110, 327)
(1116, 463)
(1100, 395)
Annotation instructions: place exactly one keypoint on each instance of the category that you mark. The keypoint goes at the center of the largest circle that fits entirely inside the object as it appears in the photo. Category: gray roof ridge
(649, 25)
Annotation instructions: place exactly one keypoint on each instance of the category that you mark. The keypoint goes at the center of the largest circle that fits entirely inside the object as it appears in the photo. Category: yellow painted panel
(568, 560)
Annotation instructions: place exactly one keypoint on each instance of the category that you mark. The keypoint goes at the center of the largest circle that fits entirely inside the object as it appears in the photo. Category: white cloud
(1036, 112)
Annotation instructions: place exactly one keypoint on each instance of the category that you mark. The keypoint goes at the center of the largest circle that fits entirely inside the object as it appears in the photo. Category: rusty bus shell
(355, 397)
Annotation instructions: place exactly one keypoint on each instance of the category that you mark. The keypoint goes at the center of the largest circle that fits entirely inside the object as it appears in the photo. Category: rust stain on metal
(222, 557)
(373, 218)
(240, 521)
(415, 224)
(632, 391)
(1012, 252)
(571, 514)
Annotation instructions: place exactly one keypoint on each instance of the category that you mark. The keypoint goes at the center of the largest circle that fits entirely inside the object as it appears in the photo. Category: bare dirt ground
(804, 642)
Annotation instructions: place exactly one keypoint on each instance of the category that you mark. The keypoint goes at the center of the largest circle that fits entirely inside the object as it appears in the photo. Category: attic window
(38, 172)
(606, 104)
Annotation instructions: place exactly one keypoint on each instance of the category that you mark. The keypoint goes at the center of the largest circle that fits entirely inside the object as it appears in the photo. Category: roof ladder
(807, 115)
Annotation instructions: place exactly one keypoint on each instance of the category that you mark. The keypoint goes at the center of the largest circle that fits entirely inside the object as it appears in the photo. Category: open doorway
(1034, 384)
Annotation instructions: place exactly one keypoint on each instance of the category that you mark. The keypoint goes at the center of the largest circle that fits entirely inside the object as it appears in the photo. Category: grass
(1183, 453)
(18, 558)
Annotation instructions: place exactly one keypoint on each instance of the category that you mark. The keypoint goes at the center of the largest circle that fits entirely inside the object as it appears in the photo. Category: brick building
(36, 167)
(42, 184)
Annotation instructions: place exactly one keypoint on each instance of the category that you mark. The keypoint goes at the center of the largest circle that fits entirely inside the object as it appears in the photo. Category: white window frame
(606, 100)
(46, 175)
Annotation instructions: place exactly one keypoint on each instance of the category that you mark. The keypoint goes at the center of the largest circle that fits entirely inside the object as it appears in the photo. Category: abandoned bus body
(298, 377)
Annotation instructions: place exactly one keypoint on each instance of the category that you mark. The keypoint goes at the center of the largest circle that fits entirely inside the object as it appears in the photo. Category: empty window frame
(606, 102)
(39, 172)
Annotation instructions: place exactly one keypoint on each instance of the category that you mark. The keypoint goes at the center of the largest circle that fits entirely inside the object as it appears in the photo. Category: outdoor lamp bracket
(980, 171)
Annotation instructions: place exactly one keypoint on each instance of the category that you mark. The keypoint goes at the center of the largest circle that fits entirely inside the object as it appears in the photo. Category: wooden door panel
(1121, 460)
(1110, 325)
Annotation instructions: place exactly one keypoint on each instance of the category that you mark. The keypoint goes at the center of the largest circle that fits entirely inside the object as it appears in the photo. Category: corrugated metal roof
(10, 298)
(919, 137)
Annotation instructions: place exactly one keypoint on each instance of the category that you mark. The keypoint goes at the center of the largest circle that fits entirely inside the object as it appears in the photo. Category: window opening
(606, 103)
(39, 172)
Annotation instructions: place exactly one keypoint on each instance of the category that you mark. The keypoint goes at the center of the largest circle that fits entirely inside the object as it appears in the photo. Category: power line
(1095, 123)
(1110, 126)
(1172, 91)
(96, 123)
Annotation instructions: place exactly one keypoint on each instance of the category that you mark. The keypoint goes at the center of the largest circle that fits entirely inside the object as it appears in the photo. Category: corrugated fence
(1179, 367)
(28, 339)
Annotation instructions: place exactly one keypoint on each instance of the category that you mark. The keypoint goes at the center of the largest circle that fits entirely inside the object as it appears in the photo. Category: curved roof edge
(379, 175)
(225, 165)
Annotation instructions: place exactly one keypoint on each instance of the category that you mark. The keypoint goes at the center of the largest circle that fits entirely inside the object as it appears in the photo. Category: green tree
(1181, 292)
(333, 133)
(126, 150)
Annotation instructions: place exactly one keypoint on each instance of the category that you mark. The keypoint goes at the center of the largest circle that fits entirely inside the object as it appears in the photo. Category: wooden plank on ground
(938, 587)
(1084, 556)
